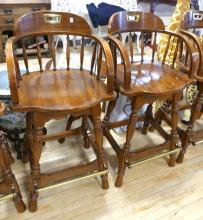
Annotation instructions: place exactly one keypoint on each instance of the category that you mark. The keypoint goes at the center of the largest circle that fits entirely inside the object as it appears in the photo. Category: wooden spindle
(82, 52)
(114, 51)
(25, 58)
(93, 58)
(17, 69)
(39, 54)
(142, 46)
(52, 50)
(99, 62)
(131, 46)
(176, 51)
(68, 52)
(166, 49)
(154, 46)
(180, 51)
(186, 56)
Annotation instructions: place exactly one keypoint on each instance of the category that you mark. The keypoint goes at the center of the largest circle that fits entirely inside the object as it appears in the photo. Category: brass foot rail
(9, 196)
(74, 179)
(130, 165)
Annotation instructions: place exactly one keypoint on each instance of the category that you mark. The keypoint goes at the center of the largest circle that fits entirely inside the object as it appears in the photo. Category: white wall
(77, 7)
(201, 4)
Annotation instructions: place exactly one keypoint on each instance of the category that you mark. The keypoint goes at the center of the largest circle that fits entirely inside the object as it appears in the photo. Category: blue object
(100, 15)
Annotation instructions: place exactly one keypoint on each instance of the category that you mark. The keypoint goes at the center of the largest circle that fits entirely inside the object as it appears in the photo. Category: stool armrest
(11, 69)
(198, 51)
(125, 59)
(109, 62)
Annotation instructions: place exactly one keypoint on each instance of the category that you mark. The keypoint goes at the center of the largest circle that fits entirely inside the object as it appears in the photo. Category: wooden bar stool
(145, 79)
(194, 21)
(54, 93)
(8, 186)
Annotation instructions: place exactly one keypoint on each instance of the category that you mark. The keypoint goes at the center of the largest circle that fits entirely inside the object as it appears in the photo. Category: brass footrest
(197, 142)
(9, 196)
(74, 179)
(146, 159)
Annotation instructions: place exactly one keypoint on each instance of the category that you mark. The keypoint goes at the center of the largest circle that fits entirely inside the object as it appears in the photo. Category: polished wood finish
(53, 93)
(194, 21)
(145, 80)
(152, 190)
(8, 184)
(10, 11)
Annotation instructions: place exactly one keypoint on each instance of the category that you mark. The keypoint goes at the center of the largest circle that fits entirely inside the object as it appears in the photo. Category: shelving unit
(10, 11)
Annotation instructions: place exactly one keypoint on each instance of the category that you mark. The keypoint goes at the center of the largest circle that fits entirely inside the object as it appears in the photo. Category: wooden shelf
(10, 11)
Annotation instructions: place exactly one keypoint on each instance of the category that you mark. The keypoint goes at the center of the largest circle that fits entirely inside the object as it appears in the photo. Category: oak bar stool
(193, 22)
(144, 79)
(56, 93)
(8, 185)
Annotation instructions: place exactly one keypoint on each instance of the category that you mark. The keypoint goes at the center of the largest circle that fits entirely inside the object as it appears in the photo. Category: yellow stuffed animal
(181, 9)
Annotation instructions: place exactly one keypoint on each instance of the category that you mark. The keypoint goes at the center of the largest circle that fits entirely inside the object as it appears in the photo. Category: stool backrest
(150, 28)
(193, 22)
(42, 29)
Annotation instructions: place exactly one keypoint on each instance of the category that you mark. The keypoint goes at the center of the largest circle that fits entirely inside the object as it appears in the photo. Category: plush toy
(181, 9)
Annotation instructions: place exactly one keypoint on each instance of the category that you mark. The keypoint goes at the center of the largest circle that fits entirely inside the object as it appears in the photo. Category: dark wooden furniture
(10, 11)
(145, 81)
(56, 93)
(153, 3)
(8, 185)
(193, 21)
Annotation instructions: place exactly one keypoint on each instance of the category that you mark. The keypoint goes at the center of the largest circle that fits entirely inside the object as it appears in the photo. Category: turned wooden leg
(195, 111)
(174, 123)
(110, 109)
(28, 139)
(11, 184)
(70, 121)
(123, 155)
(160, 112)
(98, 133)
(5, 146)
(17, 143)
(148, 116)
(35, 154)
(85, 130)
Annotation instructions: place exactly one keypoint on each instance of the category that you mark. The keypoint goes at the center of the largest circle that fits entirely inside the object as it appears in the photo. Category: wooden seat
(146, 78)
(51, 92)
(88, 91)
(8, 185)
(154, 81)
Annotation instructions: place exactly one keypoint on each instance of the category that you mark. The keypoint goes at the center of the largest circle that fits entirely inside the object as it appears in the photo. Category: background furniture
(14, 125)
(10, 11)
(154, 3)
(47, 94)
(8, 185)
(162, 8)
